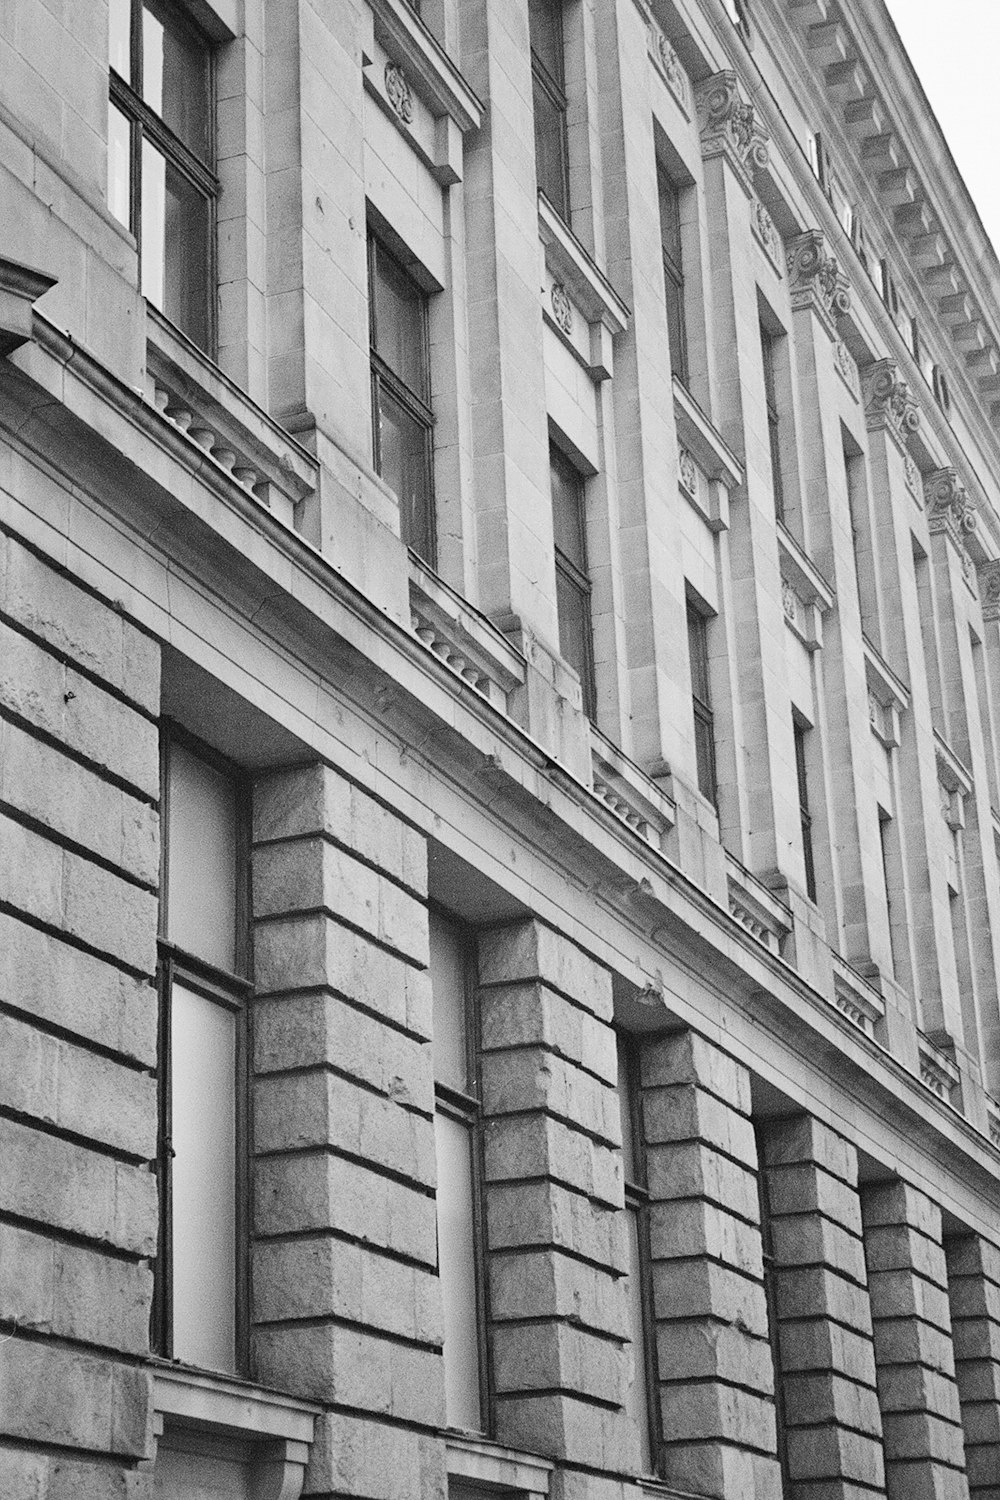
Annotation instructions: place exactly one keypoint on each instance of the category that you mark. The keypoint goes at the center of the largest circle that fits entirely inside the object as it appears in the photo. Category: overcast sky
(954, 47)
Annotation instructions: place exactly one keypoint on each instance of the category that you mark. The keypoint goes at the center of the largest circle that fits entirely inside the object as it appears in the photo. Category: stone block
(899, 1294)
(63, 1398)
(894, 1247)
(805, 1140)
(705, 1288)
(800, 1189)
(521, 1014)
(566, 1426)
(539, 1284)
(683, 1229)
(73, 1292)
(549, 1213)
(972, 1255)
(550, 1356)
(534, 1079)
(539, 1145)
(710, 1349)
(687, 1113)
(685, 1057)
(826, 1399)
(360, 1456)
(355, 1368)
(719, 1471)
(813, 1290)
(808, 1239)
(725, 1413)
(851, 1462)
(690, 1169)
(821, 1343)
(895, 1203)
(922, 1435)
(532, 951)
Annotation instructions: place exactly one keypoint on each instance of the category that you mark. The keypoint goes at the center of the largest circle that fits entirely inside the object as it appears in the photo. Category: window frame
(673, 272)
(577, 578)
(768, 346)
(799, 732)
(704, 715)
(554, 89)
(234, 991)
(144, 123)
(416, 404)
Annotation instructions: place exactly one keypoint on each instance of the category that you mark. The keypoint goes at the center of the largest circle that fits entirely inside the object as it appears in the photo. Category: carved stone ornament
(989, 589)
(815, 279)
(398, 90)
(912, 474)
(950, 508)
(889, 405)
(562, 307)
(687, 472)
(767, 234)
(790, 601)
(728, 124)
(673, 72)
(847, 365)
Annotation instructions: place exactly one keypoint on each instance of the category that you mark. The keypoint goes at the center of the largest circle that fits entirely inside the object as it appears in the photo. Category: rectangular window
(701, 699)
(768, 344)
(770, 1267)
(200, 1290)
(640, 1400)
(402, 420)
(805, 816)
(161, 182)
(673, 275)
(576, 639)
(548, 93)
(457, 1132)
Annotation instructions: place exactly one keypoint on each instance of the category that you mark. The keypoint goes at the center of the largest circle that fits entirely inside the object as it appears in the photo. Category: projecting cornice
(730, 126)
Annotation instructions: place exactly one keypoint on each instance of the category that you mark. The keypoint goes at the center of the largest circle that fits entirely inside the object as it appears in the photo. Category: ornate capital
(989, 589)
(889, 404)
(815, 280)
(950, 508)
(729, 126)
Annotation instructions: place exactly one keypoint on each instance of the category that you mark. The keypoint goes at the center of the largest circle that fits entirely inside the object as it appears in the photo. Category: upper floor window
(402, 420)
(739, 14)
(701, 700)
(768, 344)
(805, 815)
(457, 1132)
(673, 274)
(576, 637)
(160, 179)
(548, 92)
(640, 1401)
(202, 1160)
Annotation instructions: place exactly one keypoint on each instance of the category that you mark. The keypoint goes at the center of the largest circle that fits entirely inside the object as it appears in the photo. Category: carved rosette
(889, 404)
(950, 508)
(562, 307)
(687, 472)
(989, 589)
(397, 89)
(729, 126)
(816, 281)
(672, 70)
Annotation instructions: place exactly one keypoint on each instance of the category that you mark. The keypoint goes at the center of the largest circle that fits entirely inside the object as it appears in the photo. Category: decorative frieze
(669, 65)
(729, 126)
(397, 90)
(765, 232)
(989, 589)
(889, 402)
(950, 509)
(816, 281)
(848, 369)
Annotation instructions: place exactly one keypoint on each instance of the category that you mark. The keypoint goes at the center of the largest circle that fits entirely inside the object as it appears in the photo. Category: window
(202, 1161)
(818, 159)
(701, 699)
(456, 1124)
(548, 93)
(673, 275)
(402, 420)
(640, 1400)
(768, 343)
(771, 1268)
(739, 14)
(805, 816)
(939, 385)
(576, 641)
(160, 179)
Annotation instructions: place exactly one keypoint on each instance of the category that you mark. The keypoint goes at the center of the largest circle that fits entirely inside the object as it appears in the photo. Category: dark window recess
(402, 420)
(576, 637)
(161, 183)
(773, 1325)
(673, 275)
(701, 699)
(805, 816)
(939, 385)
(548, 92)
(768, 344)
(641, 1403)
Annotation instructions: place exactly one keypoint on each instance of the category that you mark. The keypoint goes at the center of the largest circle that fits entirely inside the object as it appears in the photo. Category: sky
(954, 49)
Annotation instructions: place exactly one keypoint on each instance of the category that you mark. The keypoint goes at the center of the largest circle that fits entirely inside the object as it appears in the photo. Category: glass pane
(567, 509)
(704, 745)
(636, 1399)
(698, 652)
(676, 331)
(175, 75)
(457, 1270)
(201, 863)
(120, 39)
(448, 990)
(404, 465)
(573, 606)
(550, 149)
(399, 307)
(625, 1106)
(545, 29)
(670, 219)
(175, 245)
(118, 165)
(203, 1110)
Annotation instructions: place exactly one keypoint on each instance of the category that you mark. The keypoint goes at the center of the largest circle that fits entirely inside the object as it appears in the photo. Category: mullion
(403, 393)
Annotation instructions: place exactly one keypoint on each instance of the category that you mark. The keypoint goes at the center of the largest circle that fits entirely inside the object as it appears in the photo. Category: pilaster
(974, 1297)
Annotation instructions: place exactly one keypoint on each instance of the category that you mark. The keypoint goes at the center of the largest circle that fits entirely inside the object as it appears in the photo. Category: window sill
(577, 279)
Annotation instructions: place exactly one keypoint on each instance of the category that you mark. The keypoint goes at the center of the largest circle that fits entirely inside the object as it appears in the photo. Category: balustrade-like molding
(464, 640)
(756, 908)
(729, 126)
(889, 403)
(815, 280)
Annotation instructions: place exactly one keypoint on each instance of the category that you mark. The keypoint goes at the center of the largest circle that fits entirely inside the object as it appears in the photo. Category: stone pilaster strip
(974, 1298)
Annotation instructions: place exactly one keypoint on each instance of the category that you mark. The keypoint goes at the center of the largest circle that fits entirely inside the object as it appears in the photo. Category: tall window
(202, 1063)
(805, 816)
(640, 1399)
(403, 422)
(768, 345)
(576, 637)
(770, 1269)
(456, 1125)
(548, 93)
(701, 701)
(160, 179)
(673, 274)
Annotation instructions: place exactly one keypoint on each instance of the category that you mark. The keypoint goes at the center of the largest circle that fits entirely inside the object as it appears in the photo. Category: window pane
(448, 990)
(175, 245)
(550, 149)
(545, 29)
(636, 1399)
(567, 509)
(403, 464)
(154, 211)
(670, 219)
(203, 1111)
(573, 606)
(118, 165)
(201, 864)
(457, 1270)
(175, 75)
(698, 651)
(676, 331)
(119, 38)
(629, 1159)
(399, 307)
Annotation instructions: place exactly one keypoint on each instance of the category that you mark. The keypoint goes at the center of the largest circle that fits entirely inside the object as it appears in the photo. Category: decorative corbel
(950, 509)
(729, 126)
(889, 403)
(816, 281)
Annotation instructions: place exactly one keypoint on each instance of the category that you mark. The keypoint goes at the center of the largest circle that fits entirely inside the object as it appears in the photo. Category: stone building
(499, 712)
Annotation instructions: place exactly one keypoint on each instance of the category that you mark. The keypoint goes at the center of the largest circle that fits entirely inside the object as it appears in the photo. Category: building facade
(499, 712)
